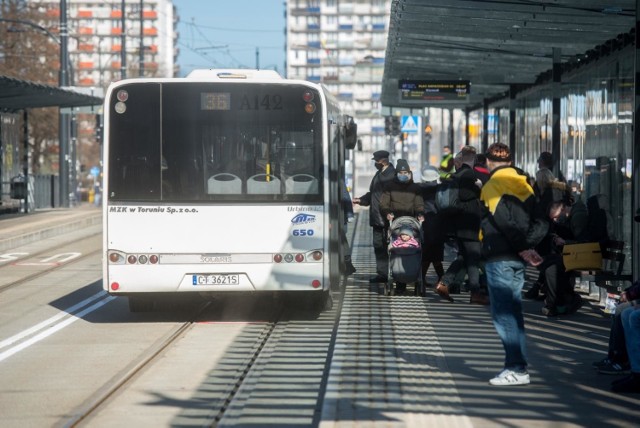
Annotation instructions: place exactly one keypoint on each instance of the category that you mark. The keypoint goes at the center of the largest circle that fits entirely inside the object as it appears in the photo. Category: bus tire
(140, 304)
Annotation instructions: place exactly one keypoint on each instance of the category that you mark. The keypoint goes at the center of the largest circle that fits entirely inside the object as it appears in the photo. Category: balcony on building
(116, 14)
(85, 31)
(314, 45)
(116, 48)
(378, 27)
(150, 14)
(116, 31)
(86, 47)
(53, 13)
(86, 81)
(313, 27)
(314, 78)
(345, 96)
(313, 61)
(345, 27)
(150, 31)
(85, 65)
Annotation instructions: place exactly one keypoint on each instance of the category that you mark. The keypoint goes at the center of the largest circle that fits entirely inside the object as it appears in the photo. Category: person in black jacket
(385, 174)
(402, 197)
(509, 235)
(464, 225)
(432, 228)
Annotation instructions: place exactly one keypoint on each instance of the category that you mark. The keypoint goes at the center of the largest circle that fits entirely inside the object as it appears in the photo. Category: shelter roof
(496, 43)
(16, 94)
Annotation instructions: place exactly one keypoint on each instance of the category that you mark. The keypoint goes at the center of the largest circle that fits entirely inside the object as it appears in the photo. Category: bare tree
(29, 52)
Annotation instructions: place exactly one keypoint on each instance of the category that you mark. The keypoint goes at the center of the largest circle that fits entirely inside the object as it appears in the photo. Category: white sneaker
(509, 377)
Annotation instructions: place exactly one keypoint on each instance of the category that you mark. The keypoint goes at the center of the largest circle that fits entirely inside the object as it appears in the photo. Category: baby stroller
(405, 257)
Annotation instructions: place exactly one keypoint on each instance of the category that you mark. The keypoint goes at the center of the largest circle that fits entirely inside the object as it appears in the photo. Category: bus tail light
(317, 255)
(153, 259)
(316, 283)
(115, 257)
(277, 258)
(132, 259)
(115, 286)
(299, 258)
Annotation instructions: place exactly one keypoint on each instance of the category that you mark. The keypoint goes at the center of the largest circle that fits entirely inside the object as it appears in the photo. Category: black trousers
(469, 253)
(380, 250)
(558, 283)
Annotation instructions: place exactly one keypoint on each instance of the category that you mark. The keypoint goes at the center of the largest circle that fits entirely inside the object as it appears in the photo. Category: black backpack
(448, 196)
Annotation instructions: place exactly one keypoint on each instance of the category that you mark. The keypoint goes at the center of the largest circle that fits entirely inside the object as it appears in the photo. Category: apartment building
(96, 37)
(341, 43)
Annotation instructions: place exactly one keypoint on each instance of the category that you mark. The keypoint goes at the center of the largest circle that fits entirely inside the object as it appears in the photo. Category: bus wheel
(140, 304)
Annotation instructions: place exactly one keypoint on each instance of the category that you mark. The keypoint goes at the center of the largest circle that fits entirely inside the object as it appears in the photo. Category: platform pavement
(19, 229)
(407, 361)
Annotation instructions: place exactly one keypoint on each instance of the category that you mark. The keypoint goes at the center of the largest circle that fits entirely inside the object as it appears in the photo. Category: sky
(227, 33)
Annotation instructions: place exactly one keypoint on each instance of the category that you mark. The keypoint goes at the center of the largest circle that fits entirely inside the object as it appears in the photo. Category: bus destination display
(434, 90)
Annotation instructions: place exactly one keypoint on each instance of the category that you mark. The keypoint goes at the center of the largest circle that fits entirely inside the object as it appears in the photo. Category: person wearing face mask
(402, 197)
(384, 175)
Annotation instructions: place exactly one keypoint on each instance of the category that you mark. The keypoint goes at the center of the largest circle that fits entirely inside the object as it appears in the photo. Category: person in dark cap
(545, 160)
(509, 234)
(385, 174)
(402, 197)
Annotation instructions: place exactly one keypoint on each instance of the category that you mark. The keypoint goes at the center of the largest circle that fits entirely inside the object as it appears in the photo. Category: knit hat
(405, 231)
(402, 165)
(499, 152)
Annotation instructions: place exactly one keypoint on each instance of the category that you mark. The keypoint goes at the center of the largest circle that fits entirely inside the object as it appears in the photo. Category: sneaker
(509, 377)
(615, 368)
(549, 312)
(603, 362)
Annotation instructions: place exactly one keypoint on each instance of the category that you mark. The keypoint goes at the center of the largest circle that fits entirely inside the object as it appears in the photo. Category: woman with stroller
(402, 197)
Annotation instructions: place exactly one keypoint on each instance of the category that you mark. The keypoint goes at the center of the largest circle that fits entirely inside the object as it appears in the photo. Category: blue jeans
(505, 280)
(631, 324)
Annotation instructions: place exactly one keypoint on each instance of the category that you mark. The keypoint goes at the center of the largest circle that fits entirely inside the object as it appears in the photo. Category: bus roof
(234, 74)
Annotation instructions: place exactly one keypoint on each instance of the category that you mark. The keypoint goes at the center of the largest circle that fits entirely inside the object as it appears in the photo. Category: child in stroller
(405, 256)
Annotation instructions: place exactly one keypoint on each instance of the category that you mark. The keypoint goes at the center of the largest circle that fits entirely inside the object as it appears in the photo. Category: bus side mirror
(350, 134)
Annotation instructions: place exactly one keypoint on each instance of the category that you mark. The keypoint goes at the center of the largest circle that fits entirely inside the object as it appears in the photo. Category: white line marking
(55, 328)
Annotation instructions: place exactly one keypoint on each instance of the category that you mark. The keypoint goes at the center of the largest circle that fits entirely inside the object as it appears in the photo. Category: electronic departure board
(434, 90)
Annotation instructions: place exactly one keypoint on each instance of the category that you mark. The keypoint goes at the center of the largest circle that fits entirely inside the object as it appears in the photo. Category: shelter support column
(555, 107)
(512, 118)
(635, 202)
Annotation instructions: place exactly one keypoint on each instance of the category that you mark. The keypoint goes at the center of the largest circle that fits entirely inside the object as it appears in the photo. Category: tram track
(119, 383)
(241, 375)
(46, 269)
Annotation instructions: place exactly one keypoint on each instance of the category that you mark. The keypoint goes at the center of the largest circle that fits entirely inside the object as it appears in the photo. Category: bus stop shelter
(18, 96)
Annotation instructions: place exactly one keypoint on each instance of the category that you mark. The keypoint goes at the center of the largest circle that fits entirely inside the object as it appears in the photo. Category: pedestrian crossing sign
(409, 124)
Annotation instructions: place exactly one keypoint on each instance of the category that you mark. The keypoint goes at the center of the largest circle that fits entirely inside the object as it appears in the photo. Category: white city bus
(223, 181)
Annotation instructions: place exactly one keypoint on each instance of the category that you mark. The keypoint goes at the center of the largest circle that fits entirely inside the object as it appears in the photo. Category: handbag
(584, 256)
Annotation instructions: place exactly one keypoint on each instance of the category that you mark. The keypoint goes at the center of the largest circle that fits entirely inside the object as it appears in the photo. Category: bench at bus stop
(606, 265)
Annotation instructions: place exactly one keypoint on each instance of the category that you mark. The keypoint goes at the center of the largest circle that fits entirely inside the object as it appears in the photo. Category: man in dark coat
(385, 174)
(464, 225)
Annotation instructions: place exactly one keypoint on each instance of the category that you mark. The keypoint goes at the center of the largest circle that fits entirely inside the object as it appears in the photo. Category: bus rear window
(185, 142)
